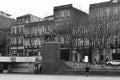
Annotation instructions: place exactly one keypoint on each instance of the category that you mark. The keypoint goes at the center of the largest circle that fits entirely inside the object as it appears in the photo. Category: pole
(116, 47)
(17, 41)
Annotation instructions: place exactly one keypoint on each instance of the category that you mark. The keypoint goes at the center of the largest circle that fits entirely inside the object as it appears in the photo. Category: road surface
(54, 77)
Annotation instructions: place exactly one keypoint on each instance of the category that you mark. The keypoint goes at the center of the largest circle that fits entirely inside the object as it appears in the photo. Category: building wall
(20, 32)
(107, 15)
(17, 39)
(35, 35)
(67, 21)
(5, 23)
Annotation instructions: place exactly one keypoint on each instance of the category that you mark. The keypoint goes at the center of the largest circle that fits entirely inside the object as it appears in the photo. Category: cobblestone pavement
(54, 77)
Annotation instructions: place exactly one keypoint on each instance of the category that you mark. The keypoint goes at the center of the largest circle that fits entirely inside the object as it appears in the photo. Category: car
(113, 62)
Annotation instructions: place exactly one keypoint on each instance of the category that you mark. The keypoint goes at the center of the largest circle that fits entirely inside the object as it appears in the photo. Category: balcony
(20, 59)
(32, 35)
(16, 45)
(17, 34)
(33, 47)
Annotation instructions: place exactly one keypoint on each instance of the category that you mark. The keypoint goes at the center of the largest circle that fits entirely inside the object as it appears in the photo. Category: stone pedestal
(51, 57)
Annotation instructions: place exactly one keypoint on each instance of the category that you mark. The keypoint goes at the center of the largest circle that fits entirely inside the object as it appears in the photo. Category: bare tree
(100, 32)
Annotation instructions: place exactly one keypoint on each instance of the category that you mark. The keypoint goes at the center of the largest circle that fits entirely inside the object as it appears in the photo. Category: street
(54, 77)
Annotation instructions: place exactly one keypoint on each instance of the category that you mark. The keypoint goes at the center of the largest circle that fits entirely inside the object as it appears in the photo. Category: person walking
(87, 69)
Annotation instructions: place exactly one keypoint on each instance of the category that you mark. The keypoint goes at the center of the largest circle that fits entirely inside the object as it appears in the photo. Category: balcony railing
(32, 35)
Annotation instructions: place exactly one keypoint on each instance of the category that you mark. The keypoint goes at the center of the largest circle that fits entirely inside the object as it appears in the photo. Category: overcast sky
(41, 8)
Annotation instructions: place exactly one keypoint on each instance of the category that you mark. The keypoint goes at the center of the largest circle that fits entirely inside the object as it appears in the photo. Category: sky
(41, 8)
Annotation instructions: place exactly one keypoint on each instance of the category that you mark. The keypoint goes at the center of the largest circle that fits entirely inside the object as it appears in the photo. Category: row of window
(17, 29)
(33, 30)
(66, 23)
(28, 19)
(16, 40)
(32, 41)
(62, 13)
(78, 42)
(105, 12)
(26, 42)
(24, 19)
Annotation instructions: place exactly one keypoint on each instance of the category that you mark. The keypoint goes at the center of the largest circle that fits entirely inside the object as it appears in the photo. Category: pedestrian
(87, 69)
(40, 69)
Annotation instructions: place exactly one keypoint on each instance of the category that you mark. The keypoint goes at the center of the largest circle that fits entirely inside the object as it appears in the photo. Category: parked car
(113, 62)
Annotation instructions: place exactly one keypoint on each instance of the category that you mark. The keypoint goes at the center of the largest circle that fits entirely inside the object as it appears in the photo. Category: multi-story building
(4, 14)
(66, 19)
(17, 31)
(35, 34)
(5, 22)
(105, 19)
(18, 60)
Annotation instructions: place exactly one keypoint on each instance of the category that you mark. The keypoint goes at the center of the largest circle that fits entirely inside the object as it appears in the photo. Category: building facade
(105, 18)
(67, 20)
(5, 22)
(35, 35)
(60, 27)
(17, 34)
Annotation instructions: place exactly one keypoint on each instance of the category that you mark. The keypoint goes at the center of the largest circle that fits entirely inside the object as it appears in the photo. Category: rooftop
(27, 15)
(104, 4)
(63, 6)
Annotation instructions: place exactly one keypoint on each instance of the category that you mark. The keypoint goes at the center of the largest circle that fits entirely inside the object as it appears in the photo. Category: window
(35, 42)
(35, 30)
(61, 23)
(26, 31)
(23, 19)
(62, 40)
(39, 41)
(56, 23)
(22, 29)
(56, 15)
(19, 20)
(86, 42)
(101, 13)
(17, 29)
(40, 30)
(27, 19)
(13, 30)
(32, 30)
(20, 40)
(80, 42)
(25, 42)
(67, 22)
(115, 10)
(67, 13)
(107, 12)
(13, 40)
(62, 14)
